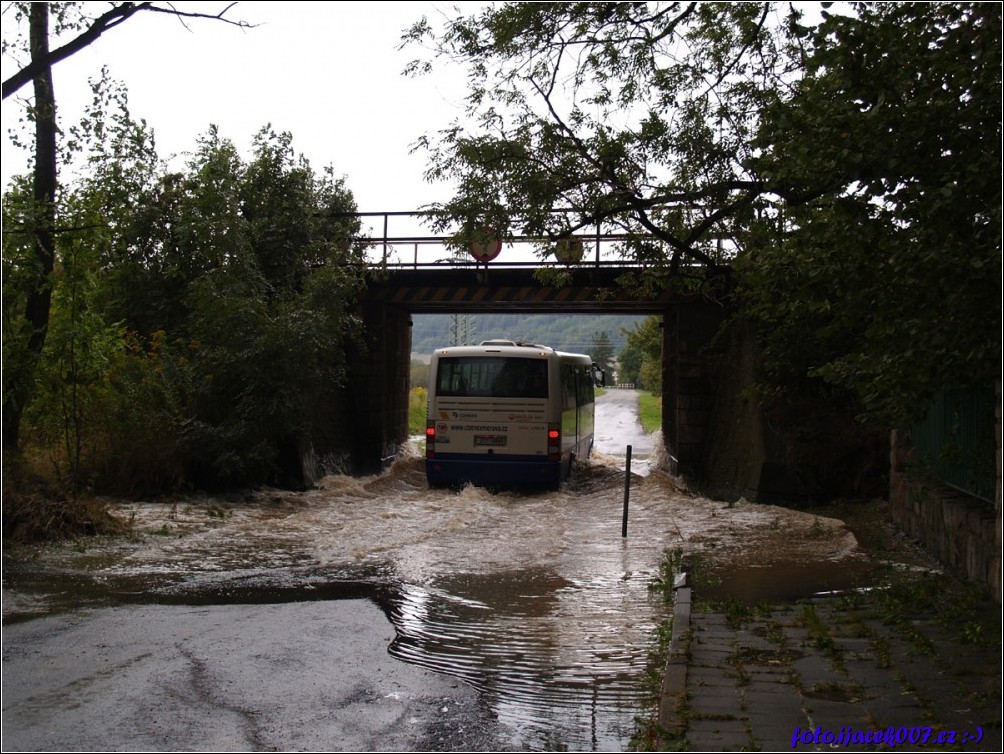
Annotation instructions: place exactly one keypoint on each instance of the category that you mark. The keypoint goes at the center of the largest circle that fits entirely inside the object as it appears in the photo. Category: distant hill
(565, 332)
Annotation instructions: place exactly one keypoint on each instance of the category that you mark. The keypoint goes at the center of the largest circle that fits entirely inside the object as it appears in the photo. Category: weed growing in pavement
(973, 633)
(774, 633)
(880, 646)
(851, 605)
(737, 613)
(794, 679)
(737, 661)
(820, 635)
(928, 712)
(969, 615)
(669, 567)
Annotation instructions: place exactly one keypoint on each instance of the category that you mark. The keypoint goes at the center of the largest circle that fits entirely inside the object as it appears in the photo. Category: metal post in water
(627, 492)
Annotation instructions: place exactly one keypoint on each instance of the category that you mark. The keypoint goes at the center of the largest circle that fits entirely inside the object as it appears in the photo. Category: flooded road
(535, 602)
(617, 426)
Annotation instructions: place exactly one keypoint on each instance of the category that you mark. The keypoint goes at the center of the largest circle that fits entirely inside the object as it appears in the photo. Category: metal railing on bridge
(404, 246)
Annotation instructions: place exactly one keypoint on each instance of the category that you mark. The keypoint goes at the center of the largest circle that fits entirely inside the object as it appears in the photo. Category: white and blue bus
(507, 414)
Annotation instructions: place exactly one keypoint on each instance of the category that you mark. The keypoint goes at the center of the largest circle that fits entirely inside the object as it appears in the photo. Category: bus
(505, 414)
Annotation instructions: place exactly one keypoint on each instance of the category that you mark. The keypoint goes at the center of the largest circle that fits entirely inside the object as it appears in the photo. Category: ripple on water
(535, 599)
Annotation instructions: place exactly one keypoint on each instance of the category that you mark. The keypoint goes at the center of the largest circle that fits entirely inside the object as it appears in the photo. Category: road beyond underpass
(617, 425)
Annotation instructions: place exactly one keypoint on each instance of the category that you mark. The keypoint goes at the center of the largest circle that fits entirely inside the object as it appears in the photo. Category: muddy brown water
(536, 600)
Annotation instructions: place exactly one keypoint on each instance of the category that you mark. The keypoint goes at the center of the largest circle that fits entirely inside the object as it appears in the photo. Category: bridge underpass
(773, 451)
(377, 412)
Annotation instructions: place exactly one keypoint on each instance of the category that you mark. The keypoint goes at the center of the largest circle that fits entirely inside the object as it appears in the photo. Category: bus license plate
(489, 441)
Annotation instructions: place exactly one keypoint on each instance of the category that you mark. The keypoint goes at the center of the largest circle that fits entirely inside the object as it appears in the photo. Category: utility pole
(463, 329)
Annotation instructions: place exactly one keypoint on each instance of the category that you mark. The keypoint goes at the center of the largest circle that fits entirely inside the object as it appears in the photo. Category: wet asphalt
(310, 676)
(617, 425)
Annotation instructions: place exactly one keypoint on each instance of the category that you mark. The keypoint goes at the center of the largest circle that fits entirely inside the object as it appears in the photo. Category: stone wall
(688, 378)
(364, 429)
(789, 449)
(962, 532)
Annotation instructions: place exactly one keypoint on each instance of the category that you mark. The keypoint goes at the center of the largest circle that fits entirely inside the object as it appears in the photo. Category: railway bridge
(784, 450)
(372, 423)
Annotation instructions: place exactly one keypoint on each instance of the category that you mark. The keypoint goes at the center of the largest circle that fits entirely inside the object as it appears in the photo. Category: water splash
(534, 599)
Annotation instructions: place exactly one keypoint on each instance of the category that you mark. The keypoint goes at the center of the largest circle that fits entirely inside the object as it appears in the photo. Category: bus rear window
(489, 377)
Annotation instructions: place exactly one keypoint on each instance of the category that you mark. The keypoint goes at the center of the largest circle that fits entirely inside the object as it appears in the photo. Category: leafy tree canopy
(843, 171)
(639, 115)
(200, 317)
(641, 358)
(886, 281)
(48, 33)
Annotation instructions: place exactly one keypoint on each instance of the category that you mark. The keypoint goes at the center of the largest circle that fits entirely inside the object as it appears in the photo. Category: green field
(650, 411)
(417, 399)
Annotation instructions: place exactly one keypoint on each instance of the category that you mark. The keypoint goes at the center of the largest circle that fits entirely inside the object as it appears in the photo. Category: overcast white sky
(329, 73)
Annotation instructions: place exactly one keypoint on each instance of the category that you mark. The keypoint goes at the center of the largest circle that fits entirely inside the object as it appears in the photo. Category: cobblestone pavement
(823, 674)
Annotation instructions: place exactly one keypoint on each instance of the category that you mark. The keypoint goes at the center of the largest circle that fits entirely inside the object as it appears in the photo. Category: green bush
(650, 411)
(418, 399)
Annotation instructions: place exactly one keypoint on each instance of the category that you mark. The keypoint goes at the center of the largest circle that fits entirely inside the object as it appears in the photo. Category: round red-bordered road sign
(485, 251)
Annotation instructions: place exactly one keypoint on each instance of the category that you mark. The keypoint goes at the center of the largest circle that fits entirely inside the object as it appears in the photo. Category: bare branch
(117, 15)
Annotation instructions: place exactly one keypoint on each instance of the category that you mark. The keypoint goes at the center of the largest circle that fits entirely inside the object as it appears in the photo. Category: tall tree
(41, 223)
(42, 219)
(602, 351)
(885, 282)
(845, 166)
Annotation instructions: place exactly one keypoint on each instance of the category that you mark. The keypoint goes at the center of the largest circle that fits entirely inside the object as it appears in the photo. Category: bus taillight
(430, 440)
(553, 442)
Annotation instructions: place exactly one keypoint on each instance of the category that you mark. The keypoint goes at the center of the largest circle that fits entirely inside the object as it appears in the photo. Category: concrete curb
(672, 723)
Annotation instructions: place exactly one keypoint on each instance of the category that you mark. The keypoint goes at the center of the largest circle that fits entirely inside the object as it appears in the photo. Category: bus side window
(568, 394)
(585, 386)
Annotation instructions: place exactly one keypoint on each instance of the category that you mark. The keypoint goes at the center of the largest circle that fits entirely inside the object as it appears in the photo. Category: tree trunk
(39, 298)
